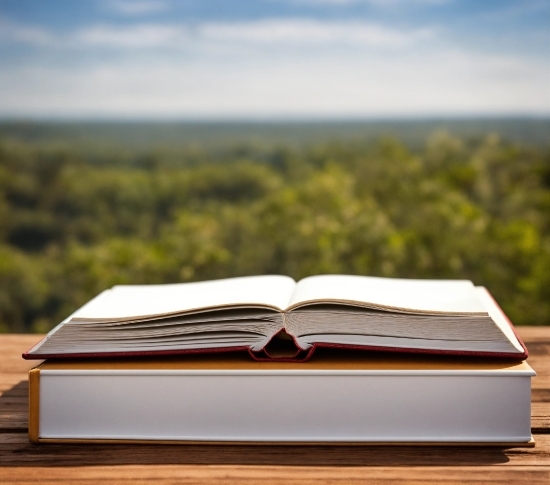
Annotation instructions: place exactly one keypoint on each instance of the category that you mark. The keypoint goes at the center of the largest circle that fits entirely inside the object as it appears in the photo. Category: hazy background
(164, 141)
(299, 59)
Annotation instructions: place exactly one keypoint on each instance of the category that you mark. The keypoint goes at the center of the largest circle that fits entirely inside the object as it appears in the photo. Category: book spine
(34, 405)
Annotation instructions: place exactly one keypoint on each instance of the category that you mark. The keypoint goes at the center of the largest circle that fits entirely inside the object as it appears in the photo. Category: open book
(275, 317)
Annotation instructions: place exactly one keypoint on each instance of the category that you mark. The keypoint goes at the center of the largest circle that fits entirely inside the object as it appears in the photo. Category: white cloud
(263, 68)
(300, 31)
(136, 36)
(137, 7)
(276, 32)
(440, 83)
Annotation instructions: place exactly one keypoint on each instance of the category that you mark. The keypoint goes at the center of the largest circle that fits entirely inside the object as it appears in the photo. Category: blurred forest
(77, 219)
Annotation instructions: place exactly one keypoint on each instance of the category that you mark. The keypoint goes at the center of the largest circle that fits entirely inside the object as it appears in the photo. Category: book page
(126, 301)
(498, 316)
(423, 296)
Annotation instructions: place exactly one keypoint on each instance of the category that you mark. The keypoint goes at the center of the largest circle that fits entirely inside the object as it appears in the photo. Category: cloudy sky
(273, 59)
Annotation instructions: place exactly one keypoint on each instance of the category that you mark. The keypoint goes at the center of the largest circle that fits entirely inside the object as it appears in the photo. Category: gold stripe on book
(327, 360)
(34, 404)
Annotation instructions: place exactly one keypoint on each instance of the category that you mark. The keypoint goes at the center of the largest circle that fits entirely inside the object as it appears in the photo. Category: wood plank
(537, 340)
(539, 360)
(537, 334)
(13, 368)
(267, 475)
(540, 395)
(540, 417)
(13, 408)
(13, 345)
(16, 450)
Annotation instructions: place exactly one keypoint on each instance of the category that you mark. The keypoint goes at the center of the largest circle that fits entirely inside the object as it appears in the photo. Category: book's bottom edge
(500, 444)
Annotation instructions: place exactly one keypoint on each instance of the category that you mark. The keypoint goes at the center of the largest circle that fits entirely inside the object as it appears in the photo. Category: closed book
(334, 398)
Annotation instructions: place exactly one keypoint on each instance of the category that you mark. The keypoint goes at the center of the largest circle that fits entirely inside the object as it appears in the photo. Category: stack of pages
(428, 316)
(173, 363)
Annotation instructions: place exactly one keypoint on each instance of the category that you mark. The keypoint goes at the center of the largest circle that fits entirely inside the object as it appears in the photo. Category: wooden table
(22, 462)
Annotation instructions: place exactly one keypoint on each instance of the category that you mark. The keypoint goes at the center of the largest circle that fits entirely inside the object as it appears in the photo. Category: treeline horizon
(78, 219)
(145, 135)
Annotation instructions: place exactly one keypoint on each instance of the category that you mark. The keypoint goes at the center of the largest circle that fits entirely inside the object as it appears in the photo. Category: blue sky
(273, 59)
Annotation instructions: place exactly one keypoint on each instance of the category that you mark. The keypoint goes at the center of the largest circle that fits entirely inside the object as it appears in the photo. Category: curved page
(130, 301)
(422, 296)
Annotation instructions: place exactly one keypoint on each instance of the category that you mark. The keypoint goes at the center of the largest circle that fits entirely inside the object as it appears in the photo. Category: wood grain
(24, 463)
(322, 475)
(16, 450)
